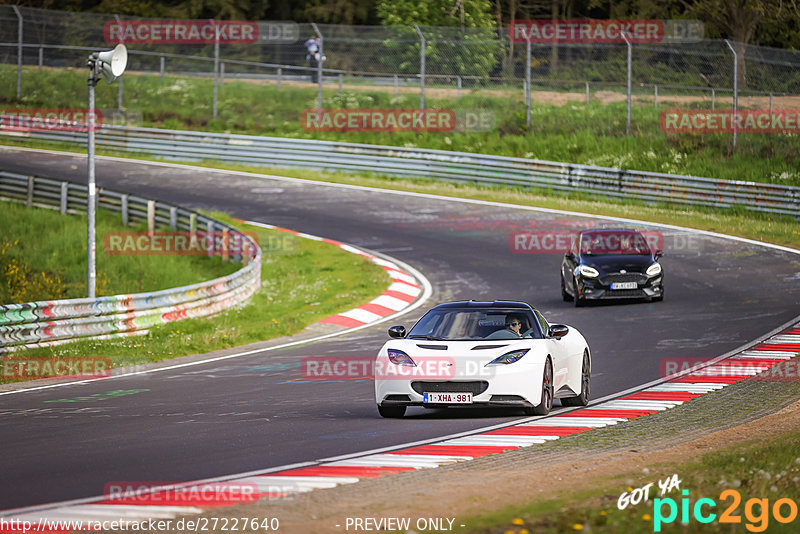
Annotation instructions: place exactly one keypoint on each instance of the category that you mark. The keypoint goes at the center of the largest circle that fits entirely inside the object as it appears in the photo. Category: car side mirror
(570, 256)
(557, 330)
(397, 332)
(658, 254)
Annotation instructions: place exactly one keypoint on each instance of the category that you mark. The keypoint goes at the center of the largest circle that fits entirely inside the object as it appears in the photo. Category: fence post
(225, 244)
(655, 97)
(458, 79)
(735, 90)
(64, 197)
(173, 218)
(528, 84)
(222, 74)
(151, 217)
(41, 58)
(421, 67)
(587, 92)
(124, 209)
(280, 72)
(211, 239)
(340, 82)
(395, 86)
(713, 98)
(29, 200)
(630, 55)
(19, 50)
(319, 71)
(216, 70)
(770, 104)
(161, 68)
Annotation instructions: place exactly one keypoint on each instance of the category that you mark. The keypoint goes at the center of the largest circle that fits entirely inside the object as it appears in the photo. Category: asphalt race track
(242, 414)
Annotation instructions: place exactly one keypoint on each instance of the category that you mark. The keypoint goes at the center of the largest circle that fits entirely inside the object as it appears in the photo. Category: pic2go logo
(756, 511)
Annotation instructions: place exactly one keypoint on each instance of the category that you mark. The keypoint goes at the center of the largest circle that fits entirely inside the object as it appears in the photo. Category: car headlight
(654, 269)
(509, 357)
(398, 357)
(588, 272)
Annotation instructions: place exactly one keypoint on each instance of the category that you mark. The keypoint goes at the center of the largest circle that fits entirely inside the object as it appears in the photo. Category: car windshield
(452, 324)
(613, 242)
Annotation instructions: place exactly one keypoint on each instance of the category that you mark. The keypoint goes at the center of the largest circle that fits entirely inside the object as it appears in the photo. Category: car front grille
(476, 388)
(617, 293)
(627, 277)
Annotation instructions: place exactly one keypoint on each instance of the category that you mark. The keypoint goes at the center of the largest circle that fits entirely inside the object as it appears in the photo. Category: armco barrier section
(440, 164)
(50, 322)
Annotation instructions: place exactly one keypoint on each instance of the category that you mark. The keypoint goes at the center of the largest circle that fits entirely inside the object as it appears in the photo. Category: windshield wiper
(428, 338)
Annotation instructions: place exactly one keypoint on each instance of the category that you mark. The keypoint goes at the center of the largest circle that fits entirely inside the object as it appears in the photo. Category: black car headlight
(509, 357)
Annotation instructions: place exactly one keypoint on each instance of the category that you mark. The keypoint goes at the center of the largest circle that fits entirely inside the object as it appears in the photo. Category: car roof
(480, 304)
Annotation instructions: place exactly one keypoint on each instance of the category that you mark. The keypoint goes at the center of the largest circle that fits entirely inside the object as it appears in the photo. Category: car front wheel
(546, 403)
(583, 398)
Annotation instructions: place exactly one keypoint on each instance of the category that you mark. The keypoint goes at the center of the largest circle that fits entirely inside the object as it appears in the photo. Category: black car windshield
(453, 324)
(607, 242)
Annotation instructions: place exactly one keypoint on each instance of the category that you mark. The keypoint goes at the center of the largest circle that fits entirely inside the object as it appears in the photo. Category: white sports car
(482, 354)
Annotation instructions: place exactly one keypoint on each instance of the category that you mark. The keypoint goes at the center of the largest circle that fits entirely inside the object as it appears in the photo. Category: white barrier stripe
(354, 250)
(687, 387)
(590, 422)
(392, 303)
(358, 462)
(502, 441)
(766, 354)
(402, 277)
(422, 457)
(784, 338)
(404, 288)
(636, 405)
(361, 315)
(316, 481)
(386, 263)
(309, 236)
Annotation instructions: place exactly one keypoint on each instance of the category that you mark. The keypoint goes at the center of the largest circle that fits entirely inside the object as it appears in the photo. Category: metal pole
(528, 84)
(655, 97)
(19, 50)
(280, 71)
(587, 92)
(319, 71)
(340, 82)
(630, 50)
(161, 68)
(713, 98)
(395, 85)
(90, 199)
(41, 58)
(421, 67)
(458, 78)
(735, 90)
(119, 88)
(222, 74)
(770, 104)
(216, 70)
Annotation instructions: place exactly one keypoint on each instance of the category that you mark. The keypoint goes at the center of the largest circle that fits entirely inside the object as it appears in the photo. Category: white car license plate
(624, 285)
(447, 398)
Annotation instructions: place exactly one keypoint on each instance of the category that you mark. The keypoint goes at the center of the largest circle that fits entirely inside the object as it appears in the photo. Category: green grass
(43, 257)
(764, 469)
(302, 281)
(575, 132)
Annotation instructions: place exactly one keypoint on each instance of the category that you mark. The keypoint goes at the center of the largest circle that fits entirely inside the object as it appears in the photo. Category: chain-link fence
(419, 67)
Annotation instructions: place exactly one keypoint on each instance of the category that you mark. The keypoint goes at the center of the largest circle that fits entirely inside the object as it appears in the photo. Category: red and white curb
(403, 291)
(327, 474)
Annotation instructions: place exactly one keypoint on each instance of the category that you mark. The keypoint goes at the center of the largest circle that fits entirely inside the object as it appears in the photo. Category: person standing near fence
(312, 56)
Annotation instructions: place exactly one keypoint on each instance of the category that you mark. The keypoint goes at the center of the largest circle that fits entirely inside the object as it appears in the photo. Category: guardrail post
(29, 199)
(124, 209)
(19, 50)
(193, 222)
(41, 58)
(211, 239)
(161, 61)
(173, 218)
(280, 71)
(151, 217)
(64, 197)
(225, 244)
(421, 67)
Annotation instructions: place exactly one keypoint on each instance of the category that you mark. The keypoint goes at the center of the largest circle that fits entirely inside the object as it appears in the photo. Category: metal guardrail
(440, 164)
(49, 322)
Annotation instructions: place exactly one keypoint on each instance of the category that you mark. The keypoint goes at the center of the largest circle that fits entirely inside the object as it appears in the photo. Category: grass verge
(43, 257)
(575, 132)
(302, 281)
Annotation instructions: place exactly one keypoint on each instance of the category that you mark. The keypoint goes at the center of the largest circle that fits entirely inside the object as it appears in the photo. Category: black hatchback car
(611, 264)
